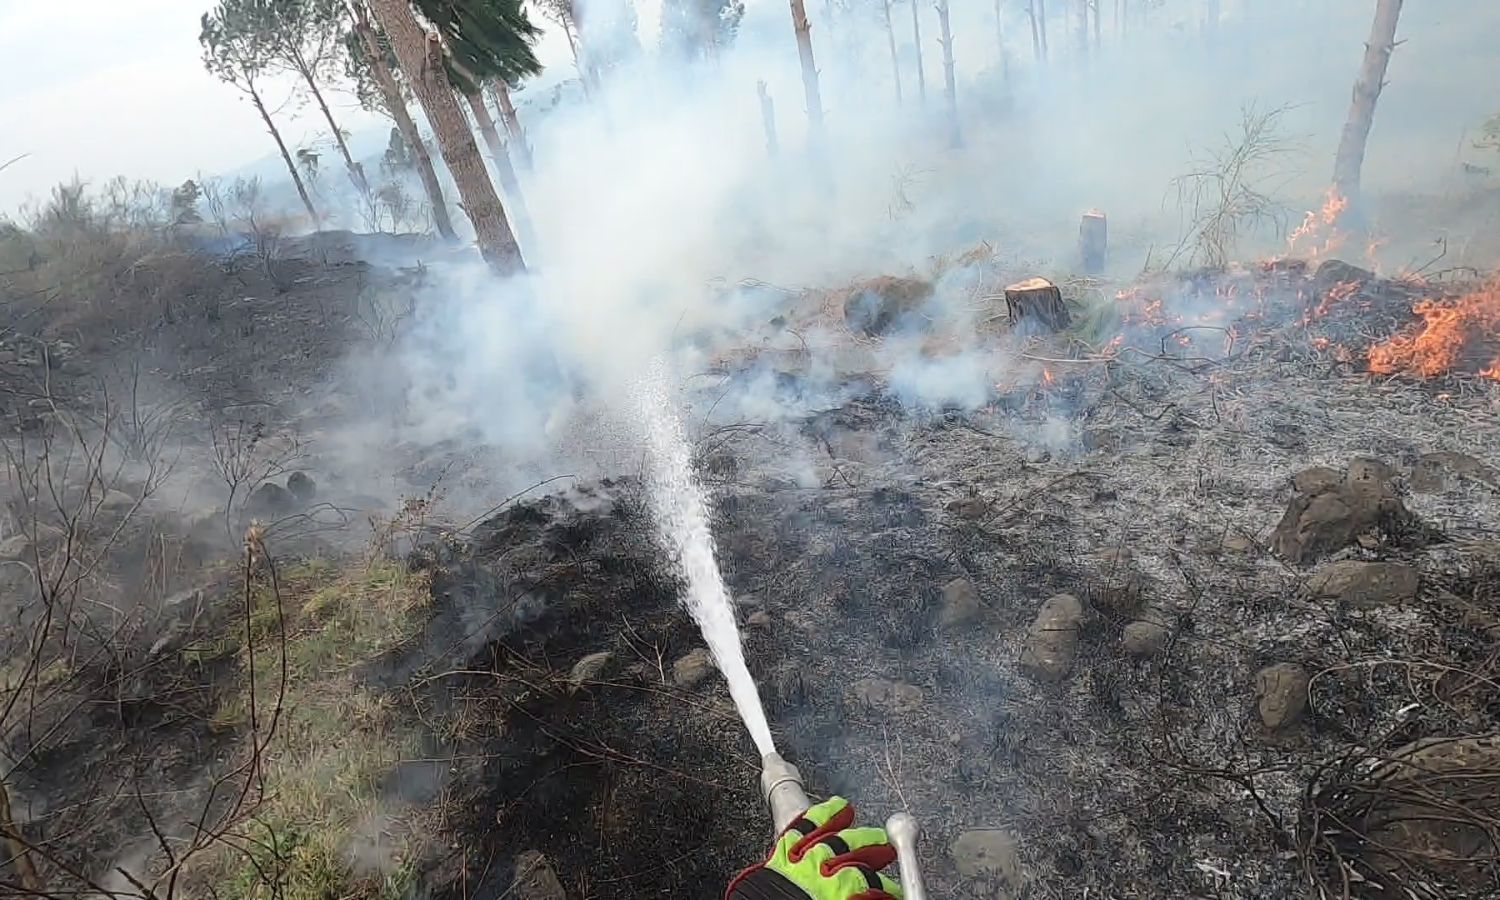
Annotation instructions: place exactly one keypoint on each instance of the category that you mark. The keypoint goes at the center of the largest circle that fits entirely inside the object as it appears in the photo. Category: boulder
(302, 487)
(759, 619)
(886, 695)
(1144, 639)
(1051, 645)
(693, 669)
(1281, 694)
(270, 500)
(883, 304)
(1324, 516)
(1364, 584)
(534, 879)
(960, 603)
(1430, 474)
(590, 668)
(117, 502)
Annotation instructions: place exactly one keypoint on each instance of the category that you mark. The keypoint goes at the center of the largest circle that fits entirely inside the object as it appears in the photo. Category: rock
(1334, 271)
(759, 619)
(270, 500)
(989, 853)
(1052, 641)
(302, 487)
(590, 668)
(1281, 691)
(117, 502)
(960, 603)
(889, 696)
(1430, 812)
(971, 508)
(1144, 639)
(1238, 544)
(883, 304)
(693, 669)
(1324, 516)
(1429, 475)
(534, 879)
(1364, 584)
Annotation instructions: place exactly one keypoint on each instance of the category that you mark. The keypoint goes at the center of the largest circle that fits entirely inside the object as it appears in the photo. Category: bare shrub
(246, 457)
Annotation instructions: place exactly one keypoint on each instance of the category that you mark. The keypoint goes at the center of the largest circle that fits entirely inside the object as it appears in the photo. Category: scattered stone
(1430, 474)
(1144, 639)
(1436, 798)
(693, 669)
(1364, 584)
(534, 879)
(1052, 641)
(590, 668)
(1281, 690)
(886, 695)
(960, 603)
(971, 508)
(988, 852)
(302, 486)
(759, 619)
(1324, 516)
(882, 304)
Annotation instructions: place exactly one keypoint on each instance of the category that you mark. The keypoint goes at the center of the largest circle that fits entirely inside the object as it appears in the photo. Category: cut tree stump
(1093, 241)
(1038, 301)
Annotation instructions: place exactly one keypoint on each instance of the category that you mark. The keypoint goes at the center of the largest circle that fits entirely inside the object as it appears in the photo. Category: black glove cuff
(766, 884)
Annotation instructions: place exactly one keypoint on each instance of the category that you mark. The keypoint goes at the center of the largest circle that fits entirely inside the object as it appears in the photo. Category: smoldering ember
(597, 432)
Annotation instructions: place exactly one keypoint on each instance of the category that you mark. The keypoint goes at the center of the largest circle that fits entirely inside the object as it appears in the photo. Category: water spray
(681, 512)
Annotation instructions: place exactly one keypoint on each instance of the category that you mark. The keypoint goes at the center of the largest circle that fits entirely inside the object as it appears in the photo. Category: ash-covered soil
(1196, 647)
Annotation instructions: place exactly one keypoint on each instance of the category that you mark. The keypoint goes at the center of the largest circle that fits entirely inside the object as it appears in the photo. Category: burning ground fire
(1454, 335)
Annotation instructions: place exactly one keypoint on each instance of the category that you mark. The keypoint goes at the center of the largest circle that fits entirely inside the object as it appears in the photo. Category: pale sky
(117, 87)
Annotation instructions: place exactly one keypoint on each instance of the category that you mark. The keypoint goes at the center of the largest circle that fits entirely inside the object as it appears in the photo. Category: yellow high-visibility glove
(821, 856)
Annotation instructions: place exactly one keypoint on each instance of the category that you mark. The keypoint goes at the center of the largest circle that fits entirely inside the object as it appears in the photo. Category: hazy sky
(122, 91)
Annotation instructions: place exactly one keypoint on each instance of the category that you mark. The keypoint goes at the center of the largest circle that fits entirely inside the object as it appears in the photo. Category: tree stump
(1037, 301)
(1093, 241)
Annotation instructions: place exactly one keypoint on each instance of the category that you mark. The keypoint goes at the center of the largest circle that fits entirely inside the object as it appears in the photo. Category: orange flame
(1333, 296)
(1457, 335)
(1319, 234)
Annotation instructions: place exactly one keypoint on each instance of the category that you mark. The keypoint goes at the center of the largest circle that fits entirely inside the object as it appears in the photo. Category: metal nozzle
(902, 830)
(781, 786)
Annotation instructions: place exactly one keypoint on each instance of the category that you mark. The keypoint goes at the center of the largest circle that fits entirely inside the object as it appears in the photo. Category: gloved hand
(823, 857)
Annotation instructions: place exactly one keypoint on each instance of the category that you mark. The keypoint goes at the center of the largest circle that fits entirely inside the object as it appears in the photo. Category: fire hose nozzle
(781, 786)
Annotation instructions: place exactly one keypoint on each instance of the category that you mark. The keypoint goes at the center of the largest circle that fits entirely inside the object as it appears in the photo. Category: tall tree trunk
(16, 848)
(396, 104)
(512, 123)
(421, 57)
(1083, 27)
(286, 157)
(767, 117)
(950, 90)
(1098, 30)
(1036, 37)
(890, 39)
(1000, 42)
(916, 44)
(1212, 22)
(809, 67)
(1041, 24)
(1351, 153)
(356, 171)
(508, 182)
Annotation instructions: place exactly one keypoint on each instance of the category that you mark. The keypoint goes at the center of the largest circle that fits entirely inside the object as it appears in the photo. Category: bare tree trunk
(950, 91)
(1098, 31)
(1036, 36)
(1213, 17)
(916, 43)
(890, 38)
(512, 123)
(421, 57)
(508, 182)
(1041, 24)
(15, 845)
(396, 103)
(1000, 42)
(286, 157)
(1351, 153)
(767, 117)
(1082, 7)
(809, 67)
(356, 171)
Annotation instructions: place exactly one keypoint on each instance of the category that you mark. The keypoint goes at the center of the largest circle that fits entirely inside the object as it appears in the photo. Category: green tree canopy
(488, 38)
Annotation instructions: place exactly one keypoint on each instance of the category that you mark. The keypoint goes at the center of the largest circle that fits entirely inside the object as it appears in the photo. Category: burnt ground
(891, 559)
